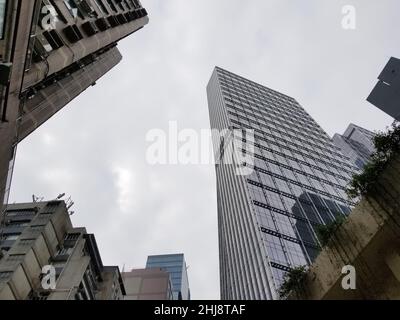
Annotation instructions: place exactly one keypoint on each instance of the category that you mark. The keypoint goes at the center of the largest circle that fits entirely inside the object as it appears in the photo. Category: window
(73, 8)
(112, 5)
(64, 251)
(20, 223)
(101, 6)
(3, 8)
(121, 5)
(10, 236)
(33, 295)
(86, 9)
(18, 212)
(4, 275)
(128, 5)
(37, 227)
(59, 267)
(136, 3)
(16, 257)
(26, 242)
(72, 236)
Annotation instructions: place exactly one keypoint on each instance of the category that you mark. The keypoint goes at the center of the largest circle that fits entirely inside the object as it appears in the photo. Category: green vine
(387, 144)
(293, 282)
(325, 232)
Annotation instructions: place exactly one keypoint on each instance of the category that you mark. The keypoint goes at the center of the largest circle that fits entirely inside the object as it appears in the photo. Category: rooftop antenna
(36, 199)
(60, 196)
(70, 205)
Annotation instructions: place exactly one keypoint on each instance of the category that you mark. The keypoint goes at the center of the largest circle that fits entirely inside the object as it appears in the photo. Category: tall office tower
(40, 235)
(147, 284)
(357, 143)
(175, 264)
(50, 52)
(267, 218)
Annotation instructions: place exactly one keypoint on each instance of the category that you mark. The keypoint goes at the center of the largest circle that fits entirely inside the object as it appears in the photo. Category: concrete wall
(369, 240)
(147, 284)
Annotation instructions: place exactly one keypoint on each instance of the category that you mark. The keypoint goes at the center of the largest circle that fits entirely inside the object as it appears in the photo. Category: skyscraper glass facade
(176, 266)
(267, 219)
(356, 143)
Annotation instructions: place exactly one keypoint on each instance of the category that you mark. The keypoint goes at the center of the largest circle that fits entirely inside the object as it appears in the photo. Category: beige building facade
(36, 236)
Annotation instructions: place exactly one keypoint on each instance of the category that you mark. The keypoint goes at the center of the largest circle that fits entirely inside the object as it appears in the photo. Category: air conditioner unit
(5, 73)
(72, 33)
(121, 19)
(139, 13)
(135, 14)
(57, 38)
(77, 31)
(90, 28)
(39, 52)
(129, 16)
(113, 21)
(55, 42)
(102, 24)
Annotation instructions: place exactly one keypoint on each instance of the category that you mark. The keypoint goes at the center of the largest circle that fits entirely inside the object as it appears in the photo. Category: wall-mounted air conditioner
(128, 16)
(73, 33)
(90, 28)
(112, 20)
(53, 39)
(121, 19)
(39, 52)
(102, 24)
(135, 14)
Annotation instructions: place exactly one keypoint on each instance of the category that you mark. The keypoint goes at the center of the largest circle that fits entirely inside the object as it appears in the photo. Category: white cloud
(124, 182)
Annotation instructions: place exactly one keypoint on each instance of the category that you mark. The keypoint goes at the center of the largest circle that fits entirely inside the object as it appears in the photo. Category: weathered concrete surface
(369, 240)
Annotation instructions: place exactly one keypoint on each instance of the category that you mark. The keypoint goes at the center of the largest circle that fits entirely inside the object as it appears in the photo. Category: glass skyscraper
(176, 266)
(267, 219)
(357, 143)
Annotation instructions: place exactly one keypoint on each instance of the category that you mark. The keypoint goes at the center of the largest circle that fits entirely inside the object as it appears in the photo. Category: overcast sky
(94, 149)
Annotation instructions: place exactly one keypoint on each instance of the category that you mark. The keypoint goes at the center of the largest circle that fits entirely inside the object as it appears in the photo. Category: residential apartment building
(50, 52)
(38, 237)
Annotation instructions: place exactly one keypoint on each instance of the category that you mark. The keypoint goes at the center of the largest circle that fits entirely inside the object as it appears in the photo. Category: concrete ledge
(369, 240)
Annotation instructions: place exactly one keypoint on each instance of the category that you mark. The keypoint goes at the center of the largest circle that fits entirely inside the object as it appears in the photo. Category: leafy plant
(325, 232)
(293, 281)
(387, 144)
